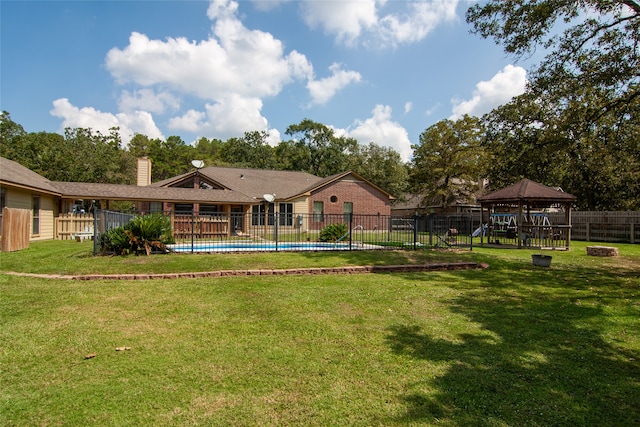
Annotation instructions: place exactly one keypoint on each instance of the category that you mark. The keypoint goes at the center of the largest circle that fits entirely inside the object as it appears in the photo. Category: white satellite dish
(198, 164)
(269, 197)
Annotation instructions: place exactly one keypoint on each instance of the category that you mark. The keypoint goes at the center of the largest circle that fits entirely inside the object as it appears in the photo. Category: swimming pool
(229, 246)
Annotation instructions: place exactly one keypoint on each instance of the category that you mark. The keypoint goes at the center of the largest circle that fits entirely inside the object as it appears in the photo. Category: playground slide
(479, 230)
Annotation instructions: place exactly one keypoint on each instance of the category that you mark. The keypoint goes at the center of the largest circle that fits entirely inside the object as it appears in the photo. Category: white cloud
(219, 9)
(344, 19)
(382, 130)
(232, 71)
(207, 69)
(323, 90)
(432, 110)
(350, 21)
(266, 5)
(192, 121)
(148, 100)
(88, 117)
(229, 117)
(408, 106)
(233, 60)
(417, 22)
(509, 82)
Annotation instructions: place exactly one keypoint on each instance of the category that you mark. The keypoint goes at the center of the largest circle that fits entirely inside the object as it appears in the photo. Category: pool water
(258, 246)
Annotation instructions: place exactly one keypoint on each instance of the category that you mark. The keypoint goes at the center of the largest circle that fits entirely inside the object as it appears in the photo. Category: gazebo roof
(527, 192)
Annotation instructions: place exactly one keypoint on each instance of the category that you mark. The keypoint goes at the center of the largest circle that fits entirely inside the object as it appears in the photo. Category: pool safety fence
(273, 231)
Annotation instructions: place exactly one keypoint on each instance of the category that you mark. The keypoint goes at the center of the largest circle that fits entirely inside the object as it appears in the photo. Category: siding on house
(47, 218)
(23, 199)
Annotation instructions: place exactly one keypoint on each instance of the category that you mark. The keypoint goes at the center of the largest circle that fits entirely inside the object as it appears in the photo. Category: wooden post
(519, 221)
(568, 210)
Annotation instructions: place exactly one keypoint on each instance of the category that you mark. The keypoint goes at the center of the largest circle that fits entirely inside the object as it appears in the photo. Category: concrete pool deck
(408, 268)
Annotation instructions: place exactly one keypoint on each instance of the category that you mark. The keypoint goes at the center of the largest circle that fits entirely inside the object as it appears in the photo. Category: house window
(36, 215)
(183, 208)
(186, 184)
(155, 207)
(347, 209)
(318, 211)
(258, 214)
(210, 209)
(286, 214)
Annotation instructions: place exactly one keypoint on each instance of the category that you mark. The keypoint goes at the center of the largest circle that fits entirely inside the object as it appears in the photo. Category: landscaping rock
(602, 251)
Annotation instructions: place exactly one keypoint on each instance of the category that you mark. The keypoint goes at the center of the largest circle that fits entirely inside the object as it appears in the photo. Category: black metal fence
(104, 220)
(228, 232)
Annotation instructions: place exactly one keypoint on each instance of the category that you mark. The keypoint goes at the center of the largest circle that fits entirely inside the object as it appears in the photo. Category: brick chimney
(144, 172)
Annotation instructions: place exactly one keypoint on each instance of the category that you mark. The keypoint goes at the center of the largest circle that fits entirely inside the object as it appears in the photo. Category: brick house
(299, 198)
(243, 196)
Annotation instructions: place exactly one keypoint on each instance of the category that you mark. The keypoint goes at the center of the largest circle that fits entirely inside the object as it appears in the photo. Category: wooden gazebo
(523, 204)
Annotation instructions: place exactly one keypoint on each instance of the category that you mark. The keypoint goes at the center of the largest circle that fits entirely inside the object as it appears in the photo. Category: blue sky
(378, 71)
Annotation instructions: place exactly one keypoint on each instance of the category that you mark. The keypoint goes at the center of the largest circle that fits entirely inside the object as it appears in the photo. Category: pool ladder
(357, 227)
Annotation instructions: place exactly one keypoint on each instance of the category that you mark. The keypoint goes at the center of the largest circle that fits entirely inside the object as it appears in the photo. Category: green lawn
(511, 345)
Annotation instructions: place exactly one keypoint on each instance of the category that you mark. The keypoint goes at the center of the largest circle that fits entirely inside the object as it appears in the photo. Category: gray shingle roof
(241, 185)
(254, 183)
(14, 173)
(330, 179)
(82, 190)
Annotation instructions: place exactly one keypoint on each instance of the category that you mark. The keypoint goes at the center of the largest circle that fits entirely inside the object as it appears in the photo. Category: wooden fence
(605, 226)
(200, 226)
(16, 229)
(74, 226)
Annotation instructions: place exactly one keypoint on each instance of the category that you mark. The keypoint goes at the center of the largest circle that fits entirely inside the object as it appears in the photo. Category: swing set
(503, 227)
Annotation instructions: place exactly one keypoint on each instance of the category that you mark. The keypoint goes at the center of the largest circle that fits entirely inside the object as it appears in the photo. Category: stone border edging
(278, 272)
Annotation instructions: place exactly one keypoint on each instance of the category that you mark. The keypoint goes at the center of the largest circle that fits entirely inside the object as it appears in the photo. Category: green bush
(115, 241)
(148, 232)
(333, 232)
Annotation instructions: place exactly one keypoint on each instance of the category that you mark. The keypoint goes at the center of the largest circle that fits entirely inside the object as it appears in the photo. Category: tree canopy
(83, 155)
(447, 164)
(577, 124)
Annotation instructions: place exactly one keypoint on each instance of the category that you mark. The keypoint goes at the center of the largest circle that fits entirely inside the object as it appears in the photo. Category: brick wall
(367, 200)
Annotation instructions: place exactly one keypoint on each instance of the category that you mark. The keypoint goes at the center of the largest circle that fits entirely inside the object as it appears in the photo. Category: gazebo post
(530, 221)
(481, 224)
(519, 222)
(567, 213)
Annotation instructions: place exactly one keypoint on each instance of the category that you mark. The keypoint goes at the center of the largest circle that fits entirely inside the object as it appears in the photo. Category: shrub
(147, 232)
(333, 232)
(116, 241)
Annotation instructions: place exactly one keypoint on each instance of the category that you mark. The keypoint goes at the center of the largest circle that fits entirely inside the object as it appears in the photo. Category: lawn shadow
(538, 360)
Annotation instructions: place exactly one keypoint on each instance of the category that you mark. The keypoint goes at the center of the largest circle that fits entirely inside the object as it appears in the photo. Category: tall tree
(139, 146)
(328, 154)
(170, 158)
(252, 150)
(382, 166)
(81, 155)
(447, 163)
(208, 150)
(293, 155)
(10, 132)
(584, 95)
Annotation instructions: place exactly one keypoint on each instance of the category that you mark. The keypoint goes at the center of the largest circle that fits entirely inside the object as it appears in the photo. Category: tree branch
(634, 5)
